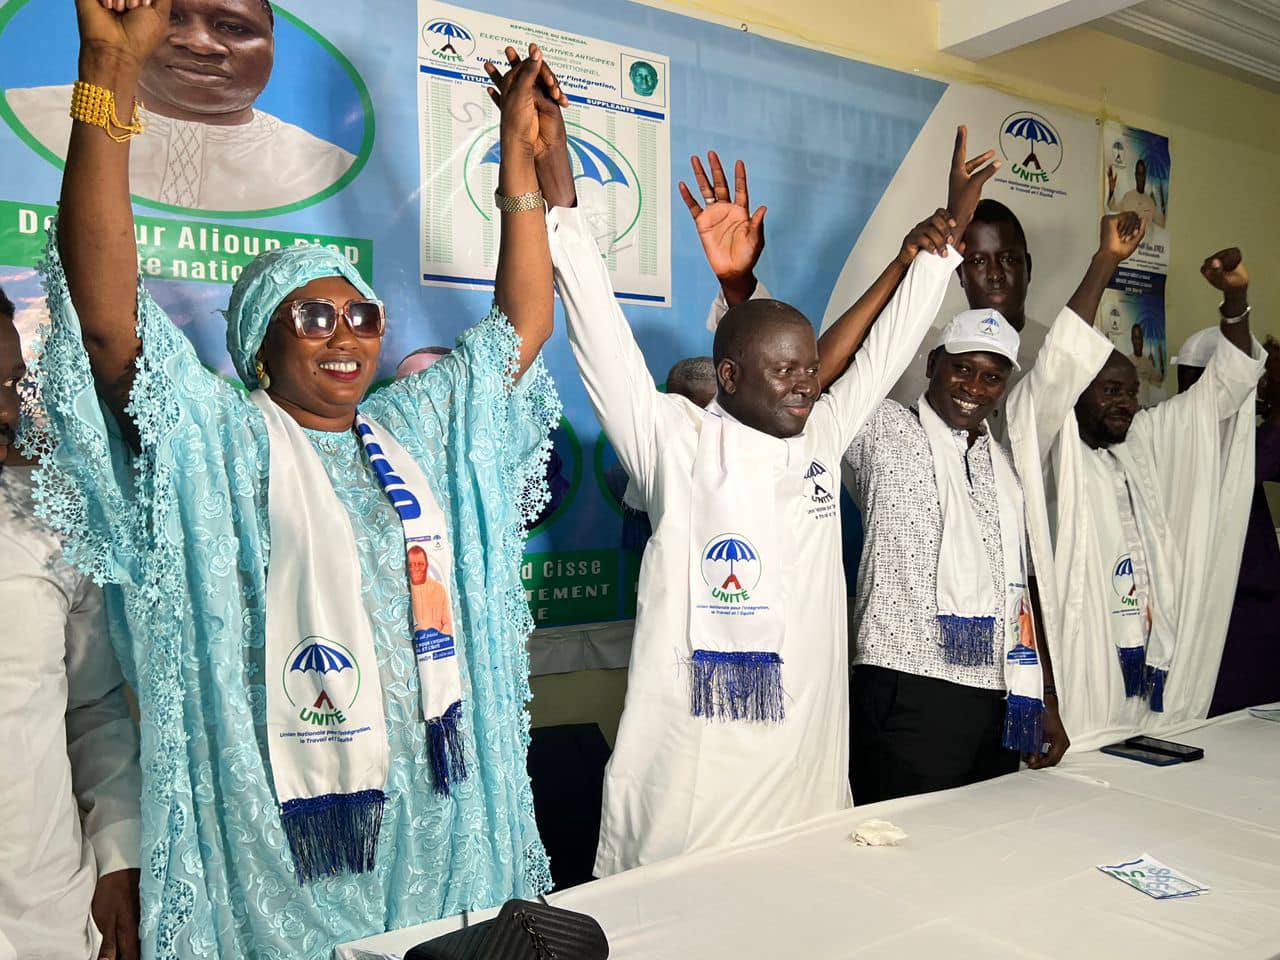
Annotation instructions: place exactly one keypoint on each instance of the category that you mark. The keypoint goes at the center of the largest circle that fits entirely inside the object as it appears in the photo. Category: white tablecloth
(1003, 869)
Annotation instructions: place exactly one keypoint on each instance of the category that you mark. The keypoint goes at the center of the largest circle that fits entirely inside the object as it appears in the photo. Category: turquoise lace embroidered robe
(179, 534)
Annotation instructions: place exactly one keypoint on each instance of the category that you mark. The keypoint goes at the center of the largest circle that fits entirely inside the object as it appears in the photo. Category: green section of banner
(571, 586)
(175, 249)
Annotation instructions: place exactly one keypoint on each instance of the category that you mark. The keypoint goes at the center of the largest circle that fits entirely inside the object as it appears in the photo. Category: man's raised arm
(733, 239)
(1225, 271)
(837, 346)
(1073, 352)
(902, 324)
(613, 369)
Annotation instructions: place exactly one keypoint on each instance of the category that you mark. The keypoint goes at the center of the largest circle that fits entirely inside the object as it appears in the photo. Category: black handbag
(522, 930)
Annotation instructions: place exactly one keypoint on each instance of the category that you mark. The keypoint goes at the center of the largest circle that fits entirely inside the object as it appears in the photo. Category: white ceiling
(1237, 37)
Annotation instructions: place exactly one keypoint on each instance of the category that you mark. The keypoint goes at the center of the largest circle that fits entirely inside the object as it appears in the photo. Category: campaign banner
(1132, 312)
(300, 126)
(1047, 182)
(619, 142)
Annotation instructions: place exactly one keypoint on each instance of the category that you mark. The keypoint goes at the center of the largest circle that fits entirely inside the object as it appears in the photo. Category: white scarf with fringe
(326, 730)
(736, 620)
(966, 589)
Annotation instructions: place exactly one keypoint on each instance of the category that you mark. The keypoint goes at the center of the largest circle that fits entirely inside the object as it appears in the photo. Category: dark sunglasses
(318, 319)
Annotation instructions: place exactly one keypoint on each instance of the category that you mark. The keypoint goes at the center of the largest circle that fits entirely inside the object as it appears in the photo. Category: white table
(1003, 869)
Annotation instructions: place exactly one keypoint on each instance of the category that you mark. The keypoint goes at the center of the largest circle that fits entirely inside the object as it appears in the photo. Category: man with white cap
(950, 685)
(1249, 669)
(1128, 510)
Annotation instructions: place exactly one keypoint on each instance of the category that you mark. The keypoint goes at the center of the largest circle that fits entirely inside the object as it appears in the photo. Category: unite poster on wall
(619, 142)
(1132, 314)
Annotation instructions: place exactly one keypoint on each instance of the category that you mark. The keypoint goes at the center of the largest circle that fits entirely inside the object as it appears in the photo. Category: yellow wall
(1224, 138)
(1224, 134)
(588, 696)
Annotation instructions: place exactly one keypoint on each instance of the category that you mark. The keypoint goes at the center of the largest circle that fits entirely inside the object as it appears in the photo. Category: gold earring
(264, 378)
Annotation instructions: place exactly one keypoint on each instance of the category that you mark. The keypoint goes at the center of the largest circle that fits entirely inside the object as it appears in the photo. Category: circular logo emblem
(606, 181)
(1031, 145)
(1122, 581)
(321, 679)
(449, 41)
(820, 487)
(731, 566)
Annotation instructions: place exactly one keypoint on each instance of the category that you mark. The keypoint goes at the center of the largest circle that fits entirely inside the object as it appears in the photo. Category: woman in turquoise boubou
(317, 768)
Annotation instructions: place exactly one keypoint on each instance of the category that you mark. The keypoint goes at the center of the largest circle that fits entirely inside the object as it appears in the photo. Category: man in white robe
(71, 789)
(1137, 200)
(995, 273)
(205, 146)
(679, 781)
(1136, 518)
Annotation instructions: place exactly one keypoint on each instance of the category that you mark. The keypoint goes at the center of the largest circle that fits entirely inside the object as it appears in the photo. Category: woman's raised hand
(530, 99)
(126, 31)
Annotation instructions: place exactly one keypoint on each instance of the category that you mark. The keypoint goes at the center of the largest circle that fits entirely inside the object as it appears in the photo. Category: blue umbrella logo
(820, 493)
(321, 658)
(732, 549)
(589, 161)
(320, 666)
(449, 31)
(1034, 130)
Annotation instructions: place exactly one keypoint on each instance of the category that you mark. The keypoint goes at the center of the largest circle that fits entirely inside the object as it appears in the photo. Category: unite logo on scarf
(731, 568)
(321, 680)
(1125, 585)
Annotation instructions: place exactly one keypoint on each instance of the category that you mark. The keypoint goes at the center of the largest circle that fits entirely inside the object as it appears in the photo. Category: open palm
(732, 237)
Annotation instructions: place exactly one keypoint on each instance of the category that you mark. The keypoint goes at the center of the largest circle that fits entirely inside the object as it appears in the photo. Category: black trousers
(911, 734)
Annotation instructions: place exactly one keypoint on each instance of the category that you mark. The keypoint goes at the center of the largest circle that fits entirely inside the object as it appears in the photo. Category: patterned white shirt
(894, 618)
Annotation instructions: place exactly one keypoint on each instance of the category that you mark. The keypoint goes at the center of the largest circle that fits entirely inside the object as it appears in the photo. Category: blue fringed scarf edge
(445, 749)
(967, 641)
(1023, 724)
(1153, 682)
(739, 685)
(333, 834)
(1133, 662)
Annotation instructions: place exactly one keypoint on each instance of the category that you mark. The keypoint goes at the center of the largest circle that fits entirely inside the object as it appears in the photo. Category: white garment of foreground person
(71, 787)
(1180, 483)
(679, 782)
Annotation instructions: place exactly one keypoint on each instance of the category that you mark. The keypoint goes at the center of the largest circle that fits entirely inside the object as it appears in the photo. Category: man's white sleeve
(1071, 357)
(1226, 386)
(720, 306)
(618, 382)
(102, 742)
(892, 342)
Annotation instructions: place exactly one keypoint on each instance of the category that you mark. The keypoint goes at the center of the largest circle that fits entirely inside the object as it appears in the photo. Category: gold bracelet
(525, 201)
(96, 106)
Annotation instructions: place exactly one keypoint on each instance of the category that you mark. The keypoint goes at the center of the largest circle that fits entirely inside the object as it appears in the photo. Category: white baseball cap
(981, 330)
(1198, 348)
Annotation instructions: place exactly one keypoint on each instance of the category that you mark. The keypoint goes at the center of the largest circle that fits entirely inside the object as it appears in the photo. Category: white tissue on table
(878, 833)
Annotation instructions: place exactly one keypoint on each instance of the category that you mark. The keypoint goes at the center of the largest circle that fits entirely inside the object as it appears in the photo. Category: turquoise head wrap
(263, 286)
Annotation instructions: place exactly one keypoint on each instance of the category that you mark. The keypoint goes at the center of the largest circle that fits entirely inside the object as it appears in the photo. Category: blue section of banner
(822, 137)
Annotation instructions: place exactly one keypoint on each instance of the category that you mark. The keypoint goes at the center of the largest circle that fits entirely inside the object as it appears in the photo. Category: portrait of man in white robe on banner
(206, 145)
